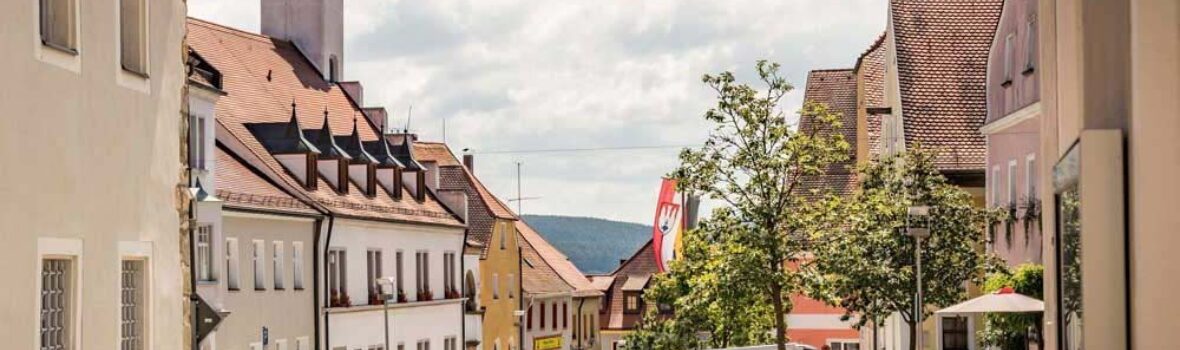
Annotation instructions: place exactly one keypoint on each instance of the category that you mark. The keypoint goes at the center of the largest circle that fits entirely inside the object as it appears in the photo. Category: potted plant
(401, 297)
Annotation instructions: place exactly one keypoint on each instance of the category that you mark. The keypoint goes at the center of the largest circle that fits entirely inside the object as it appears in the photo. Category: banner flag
(668, 224)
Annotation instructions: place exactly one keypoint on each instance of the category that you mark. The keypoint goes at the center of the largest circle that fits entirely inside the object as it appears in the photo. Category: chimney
(455, 200)
(469, 162)
(316, 27)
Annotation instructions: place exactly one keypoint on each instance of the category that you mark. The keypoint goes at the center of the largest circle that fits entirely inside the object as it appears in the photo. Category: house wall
(500, 324)
(288, 314)
(1015, 145)
(1113, 81)
(360, 325)
(92, 168)
(561, 329)
(585, 329)
(1024, 89)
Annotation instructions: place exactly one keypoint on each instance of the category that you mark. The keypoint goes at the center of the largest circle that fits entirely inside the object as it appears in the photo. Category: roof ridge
(234, 31)
(830, 70)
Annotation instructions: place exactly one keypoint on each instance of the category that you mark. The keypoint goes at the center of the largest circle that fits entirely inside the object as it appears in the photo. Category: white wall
(362, 327)
(549, 330)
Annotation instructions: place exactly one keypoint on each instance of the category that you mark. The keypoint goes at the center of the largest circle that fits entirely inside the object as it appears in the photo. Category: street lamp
(386, 284)
(917, 226)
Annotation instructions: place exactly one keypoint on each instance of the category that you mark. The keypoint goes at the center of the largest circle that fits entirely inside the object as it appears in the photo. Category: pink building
(1012, 131)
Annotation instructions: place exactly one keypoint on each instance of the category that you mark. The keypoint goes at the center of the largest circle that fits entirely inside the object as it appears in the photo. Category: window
(424, 344)
(399, 272)
(631, 302)
(1012, 182)
(281, 344)
(448, 272)
(297, 265)
(259, 269)
(1008, 59)
(279, 271)
(231, 263)
(530, 318)
(58, 24)
(1030, 176)
(337, 281)
(503, 236)
(377, 347)
(57, 304)
(844, 344)
(423, 274)
(450, 343)
(495, 286)
(373, 261)
(1030, 32)
(542, 313)
(511, 289)
(954, 333)
(133, 34)
(205, 253)
(565, 316)
(996, 185)
(302, 343)
(133, 302)
(554, 325)
(197, 145)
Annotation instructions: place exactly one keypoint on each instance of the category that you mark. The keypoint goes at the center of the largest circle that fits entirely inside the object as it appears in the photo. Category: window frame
(277, 252)
(258, 254)
(337, 279)
(143, 65)
(1030, 176)
(1012, 193)
(143, 302)
(495, 286)
(1009, 58)
(71, 44)
(628, 308)
(374, 260)
(233, 264)
(204, 243)
(297, 265)
(1030, 44)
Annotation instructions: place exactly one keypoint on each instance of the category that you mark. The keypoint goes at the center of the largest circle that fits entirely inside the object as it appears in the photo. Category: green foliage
(593, 245)
(733, 282)
(867, 266)
(1009, 331)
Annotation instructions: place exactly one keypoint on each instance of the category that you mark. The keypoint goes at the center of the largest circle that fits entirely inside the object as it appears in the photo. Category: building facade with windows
(493, 286)
(622, 305)
(546, 298)
(1013, 135)
(388, 229)
(93, 144)
(579, 317)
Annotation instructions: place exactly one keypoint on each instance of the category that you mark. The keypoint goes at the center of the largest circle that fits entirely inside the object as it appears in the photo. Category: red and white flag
(668, 224)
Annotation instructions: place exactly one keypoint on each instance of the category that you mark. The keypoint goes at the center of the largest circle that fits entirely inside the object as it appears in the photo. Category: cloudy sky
(515, 75)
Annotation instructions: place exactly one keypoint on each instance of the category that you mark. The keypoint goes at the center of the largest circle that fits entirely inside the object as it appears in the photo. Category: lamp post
(386, 283)
(917, 226)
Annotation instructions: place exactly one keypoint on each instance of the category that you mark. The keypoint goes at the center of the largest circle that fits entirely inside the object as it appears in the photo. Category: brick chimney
(469, 162)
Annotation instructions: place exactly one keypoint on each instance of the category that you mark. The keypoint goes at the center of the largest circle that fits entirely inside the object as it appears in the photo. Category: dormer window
(363, 166)
(414, 173)
(333, 160)
(290, 146)
(388, 170)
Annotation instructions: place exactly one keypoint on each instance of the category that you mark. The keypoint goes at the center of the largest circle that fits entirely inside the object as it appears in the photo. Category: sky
(506, 76)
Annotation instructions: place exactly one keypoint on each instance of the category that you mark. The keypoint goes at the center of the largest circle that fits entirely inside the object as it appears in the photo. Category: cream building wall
(501, 269)
(92, 171)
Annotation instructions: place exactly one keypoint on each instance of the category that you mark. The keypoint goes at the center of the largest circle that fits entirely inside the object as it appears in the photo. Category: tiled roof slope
(537, 276)
(558, 261)
(482, 207)
(835, 88)
(261, 77)
(240, 186)
(942, 48)
(870, 69)
(641, 265)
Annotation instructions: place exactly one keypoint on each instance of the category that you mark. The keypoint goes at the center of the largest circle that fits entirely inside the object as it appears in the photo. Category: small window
(198, 151)
(1012, 196)
(1030, 60)
(399, 272)
(1030, 176)
(996, 185)
(205, 253)
(542, 314)
(133, 35)
(555, 315)
(1009, 42)
(565, 315)
(504, 237)
(279, 270)
(259, 268)
(632, 302)
(297, 265)
(373, 262)
(511, 283)
(57, 304)
(495, 286)
(232, 263)
(954, 333)
(59, 24)
(844, 344)
(133, 301)
(337, 278)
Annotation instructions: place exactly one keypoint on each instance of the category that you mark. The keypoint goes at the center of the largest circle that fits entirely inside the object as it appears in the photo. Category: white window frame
(1009, 58)
(400, 270)
(233, 264)
(69, 250)
(337, 271)
(297, 265)
(843, 343)
(995, 192)
(277, 255)
(1030, 43)
(1012, 195)
(1030, 176)
(144, 38)
(374, 260)
(258, 255)
(205, 265)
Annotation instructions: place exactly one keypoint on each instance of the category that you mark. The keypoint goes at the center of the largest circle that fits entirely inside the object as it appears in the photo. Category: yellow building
(492, 229)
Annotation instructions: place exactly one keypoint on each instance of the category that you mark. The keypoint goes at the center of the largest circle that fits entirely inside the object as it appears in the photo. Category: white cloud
(515, 74)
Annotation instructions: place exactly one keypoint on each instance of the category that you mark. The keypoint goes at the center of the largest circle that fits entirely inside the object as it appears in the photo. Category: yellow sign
(547, 343)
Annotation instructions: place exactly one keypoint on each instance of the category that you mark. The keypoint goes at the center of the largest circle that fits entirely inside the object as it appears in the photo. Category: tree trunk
(780, 322)
(913, 334)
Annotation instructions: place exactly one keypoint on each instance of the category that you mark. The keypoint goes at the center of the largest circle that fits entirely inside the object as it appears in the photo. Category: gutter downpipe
(315, 280)
(324, 311)
(192, 261)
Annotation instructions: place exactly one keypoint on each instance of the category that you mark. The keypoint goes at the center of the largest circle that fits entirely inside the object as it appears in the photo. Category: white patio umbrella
(1003, 300)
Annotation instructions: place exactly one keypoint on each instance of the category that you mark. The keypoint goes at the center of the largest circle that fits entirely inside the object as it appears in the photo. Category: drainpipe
(315, 279)
(324, 311)
(192, 261)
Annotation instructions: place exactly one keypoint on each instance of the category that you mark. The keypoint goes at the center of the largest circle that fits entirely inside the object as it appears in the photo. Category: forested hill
(594, 245)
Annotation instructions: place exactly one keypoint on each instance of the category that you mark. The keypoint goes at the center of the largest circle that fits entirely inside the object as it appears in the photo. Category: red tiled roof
(483, 208)
(261, 77)
(560, 263)
(942, 48)
(835, 88)
(870, 69)
(536, 275)
(641, 265)
(240, 186)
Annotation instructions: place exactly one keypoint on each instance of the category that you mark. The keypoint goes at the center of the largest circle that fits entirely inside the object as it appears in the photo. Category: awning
(1003, 300)
(636, 283)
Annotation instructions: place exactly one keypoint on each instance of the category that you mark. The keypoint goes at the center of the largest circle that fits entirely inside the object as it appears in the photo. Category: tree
(754, 161)
(867, 266)
(1010, 331)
